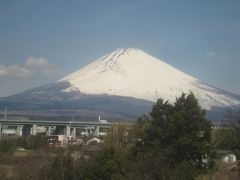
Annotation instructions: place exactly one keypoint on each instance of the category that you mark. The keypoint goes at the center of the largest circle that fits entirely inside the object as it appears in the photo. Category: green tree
(237, 145)
(179, 134)
(36, 142)
(111, 163)
(62, 168)
(7, 146)
(225, 138)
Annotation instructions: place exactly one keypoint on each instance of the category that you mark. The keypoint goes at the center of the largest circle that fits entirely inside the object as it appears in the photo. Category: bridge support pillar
(48, 131)
(96, 131)
(19, 130)
(34, 130)
(68, 133)
(73, 133)
(87, 132)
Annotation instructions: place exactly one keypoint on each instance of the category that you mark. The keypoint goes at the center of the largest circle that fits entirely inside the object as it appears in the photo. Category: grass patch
(22, 153)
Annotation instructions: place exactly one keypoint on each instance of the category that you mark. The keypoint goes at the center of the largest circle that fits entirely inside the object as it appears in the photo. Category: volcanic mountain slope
(124, 83)
(52, 100)
(134, 73)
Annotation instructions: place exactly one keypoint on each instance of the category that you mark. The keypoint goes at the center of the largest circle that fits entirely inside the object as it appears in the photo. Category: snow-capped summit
(134, 73)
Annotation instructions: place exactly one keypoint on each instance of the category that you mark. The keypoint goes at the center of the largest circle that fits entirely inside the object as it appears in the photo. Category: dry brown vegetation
(224, 172)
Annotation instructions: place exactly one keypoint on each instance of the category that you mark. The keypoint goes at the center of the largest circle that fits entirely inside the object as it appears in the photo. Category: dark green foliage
(182, 171)
(179, 133)
(32, 142)
(61, 168)
(22, 142)
(37, 142)
(112, 163)
(7, 146)
(237, 146)
(225, 138)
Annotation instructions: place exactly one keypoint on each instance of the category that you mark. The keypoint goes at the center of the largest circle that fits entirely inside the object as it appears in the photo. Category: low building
(229, 158)
(8, 132)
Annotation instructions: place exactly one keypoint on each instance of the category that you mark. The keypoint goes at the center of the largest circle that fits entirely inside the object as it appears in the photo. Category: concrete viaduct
(68, 126)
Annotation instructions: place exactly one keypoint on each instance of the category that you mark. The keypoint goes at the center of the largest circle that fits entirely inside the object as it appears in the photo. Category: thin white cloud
(32, 66)
(41, 65)
(213, 55)
(14, 71)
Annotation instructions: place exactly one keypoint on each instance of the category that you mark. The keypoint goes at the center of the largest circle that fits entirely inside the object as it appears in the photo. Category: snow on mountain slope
(134, 73)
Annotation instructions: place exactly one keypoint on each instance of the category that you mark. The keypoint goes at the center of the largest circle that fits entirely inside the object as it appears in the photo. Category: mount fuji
(121, 84)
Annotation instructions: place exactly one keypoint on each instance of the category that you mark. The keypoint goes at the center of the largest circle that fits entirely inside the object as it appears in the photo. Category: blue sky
(42, 41)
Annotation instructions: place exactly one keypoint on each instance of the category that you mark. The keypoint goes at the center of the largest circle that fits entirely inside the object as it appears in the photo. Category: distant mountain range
(122, 85)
